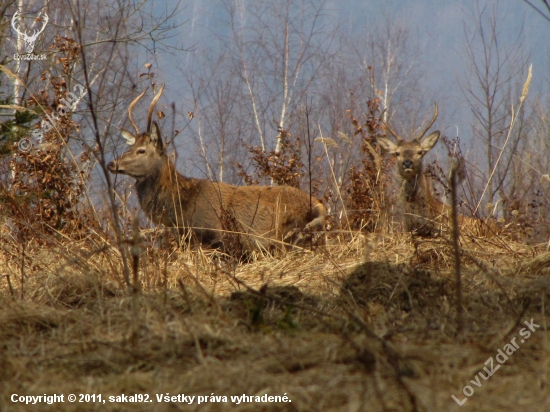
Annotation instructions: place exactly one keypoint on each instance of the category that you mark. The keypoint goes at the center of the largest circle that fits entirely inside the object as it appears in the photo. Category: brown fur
(264, 216)
(424, 215)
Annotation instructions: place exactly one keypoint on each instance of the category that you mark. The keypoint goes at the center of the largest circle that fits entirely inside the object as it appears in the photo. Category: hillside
(366, 323)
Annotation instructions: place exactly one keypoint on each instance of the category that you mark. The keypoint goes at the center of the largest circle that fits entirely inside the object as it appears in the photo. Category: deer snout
(408, 164)
(112, 166)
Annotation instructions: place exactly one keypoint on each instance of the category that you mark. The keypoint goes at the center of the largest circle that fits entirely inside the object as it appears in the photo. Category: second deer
(424, 214)
(258, 217)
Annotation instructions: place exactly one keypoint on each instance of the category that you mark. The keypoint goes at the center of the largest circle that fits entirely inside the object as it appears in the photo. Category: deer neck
(416, 193)
(416, 189)
(165, 187)
(165, 177)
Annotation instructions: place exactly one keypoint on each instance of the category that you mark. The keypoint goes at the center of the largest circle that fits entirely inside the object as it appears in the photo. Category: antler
(388, 128)
(36, 31)
(13, 23)
(152, 108)
(131, 108)
(430, 124)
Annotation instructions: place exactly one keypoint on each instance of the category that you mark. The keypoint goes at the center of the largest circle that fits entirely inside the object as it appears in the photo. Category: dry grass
(365, 324)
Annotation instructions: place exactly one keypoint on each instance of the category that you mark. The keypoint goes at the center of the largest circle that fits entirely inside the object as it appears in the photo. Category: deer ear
(386, 144)
(429, 141)
(129, 137)
(156, 138)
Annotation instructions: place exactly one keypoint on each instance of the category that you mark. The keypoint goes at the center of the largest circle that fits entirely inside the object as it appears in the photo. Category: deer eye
(141, 150)
(421, 152)
(396, 154)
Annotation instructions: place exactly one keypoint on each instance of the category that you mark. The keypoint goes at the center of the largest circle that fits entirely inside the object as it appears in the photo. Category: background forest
(238, 73)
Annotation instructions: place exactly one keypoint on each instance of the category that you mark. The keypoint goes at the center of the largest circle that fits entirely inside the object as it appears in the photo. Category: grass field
(363, 324)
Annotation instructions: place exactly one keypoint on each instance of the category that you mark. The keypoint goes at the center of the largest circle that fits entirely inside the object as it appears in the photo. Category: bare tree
(277, 50)
(394, 64)
(251, 78)
(492, 85)
(217, 104)
(541, 9)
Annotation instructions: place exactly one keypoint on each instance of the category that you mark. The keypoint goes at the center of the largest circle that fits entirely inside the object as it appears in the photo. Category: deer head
(409, 153)
(146, 155)
(29, 40)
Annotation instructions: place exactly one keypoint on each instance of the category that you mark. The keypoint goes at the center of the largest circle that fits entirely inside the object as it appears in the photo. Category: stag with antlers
(262, 217)
(424, 214)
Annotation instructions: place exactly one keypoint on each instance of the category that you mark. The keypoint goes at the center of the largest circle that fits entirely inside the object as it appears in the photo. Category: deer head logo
(29, 40)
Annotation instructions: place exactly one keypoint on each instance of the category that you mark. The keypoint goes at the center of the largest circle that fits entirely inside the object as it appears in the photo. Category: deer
(262, 217)
(424, 214)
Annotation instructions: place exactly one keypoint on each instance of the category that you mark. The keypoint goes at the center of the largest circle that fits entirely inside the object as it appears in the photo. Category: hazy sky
(436, 26)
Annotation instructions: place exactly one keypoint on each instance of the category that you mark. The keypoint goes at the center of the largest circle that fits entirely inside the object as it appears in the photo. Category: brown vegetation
(349, 326)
